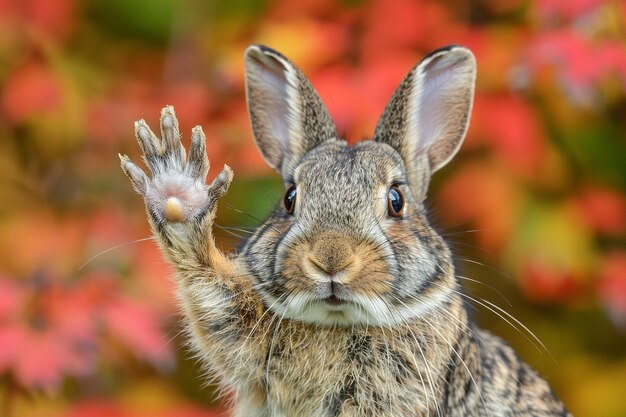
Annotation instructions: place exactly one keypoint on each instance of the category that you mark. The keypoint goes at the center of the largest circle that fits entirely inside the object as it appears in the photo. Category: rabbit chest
(318, 371)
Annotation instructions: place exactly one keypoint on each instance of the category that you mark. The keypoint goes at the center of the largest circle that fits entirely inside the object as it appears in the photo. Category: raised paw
(177, 191)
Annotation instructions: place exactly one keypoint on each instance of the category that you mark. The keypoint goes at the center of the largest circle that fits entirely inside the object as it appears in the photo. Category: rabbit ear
(428, 114)
(287, 115)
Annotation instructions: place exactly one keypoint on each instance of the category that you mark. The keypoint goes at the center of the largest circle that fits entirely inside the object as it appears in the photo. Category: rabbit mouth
(333, 295)
(334, 301)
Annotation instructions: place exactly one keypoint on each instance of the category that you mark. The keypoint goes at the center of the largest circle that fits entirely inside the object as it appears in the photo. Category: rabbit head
(350, 242)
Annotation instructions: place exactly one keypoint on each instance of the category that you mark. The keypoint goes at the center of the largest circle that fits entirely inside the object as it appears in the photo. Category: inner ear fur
(428, 115)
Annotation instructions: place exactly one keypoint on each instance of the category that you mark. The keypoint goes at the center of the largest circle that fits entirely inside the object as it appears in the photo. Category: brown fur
(336, 309)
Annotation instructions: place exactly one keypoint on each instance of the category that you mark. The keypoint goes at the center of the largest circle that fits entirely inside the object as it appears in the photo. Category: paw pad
(173, 210)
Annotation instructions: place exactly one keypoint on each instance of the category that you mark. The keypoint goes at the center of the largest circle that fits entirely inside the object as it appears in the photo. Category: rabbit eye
(395, 201)
(290, 199)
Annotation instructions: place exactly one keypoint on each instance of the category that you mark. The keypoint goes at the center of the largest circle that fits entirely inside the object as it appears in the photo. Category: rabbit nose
(329, 269)
(331, 253)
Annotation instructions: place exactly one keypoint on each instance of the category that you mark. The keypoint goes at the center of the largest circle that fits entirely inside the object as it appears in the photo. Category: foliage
(87, 314)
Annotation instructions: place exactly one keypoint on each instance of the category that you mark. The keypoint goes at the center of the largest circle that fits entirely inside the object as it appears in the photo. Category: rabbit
(345, 301)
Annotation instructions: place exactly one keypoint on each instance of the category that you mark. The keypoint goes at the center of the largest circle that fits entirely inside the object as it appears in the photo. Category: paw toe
(167, 117)
(146, 139)
(137, 176)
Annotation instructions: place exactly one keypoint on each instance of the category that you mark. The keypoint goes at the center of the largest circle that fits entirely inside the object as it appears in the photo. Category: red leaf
(580, 62)
(31, 89)
(511, 127)
(40, 361)
(191, 100)
(138, 328)
(335, 87)
(109, 225)
(153, 274)
(356, 97)
(547, 283)
(395, 24)
(12, 339)
(70, 313)
(52, 17)
(604, 210)
(478, 195)
(565, 9)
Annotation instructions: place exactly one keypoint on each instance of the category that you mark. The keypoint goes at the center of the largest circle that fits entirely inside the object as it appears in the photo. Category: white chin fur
(360, 310)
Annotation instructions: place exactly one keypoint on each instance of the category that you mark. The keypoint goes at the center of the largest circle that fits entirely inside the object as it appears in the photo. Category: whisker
(267, 310)
(253, 217)
(114, 248)
(426, 321)
(428, 370)
(230, 232)
(508, 322)
(486, 285)
(248, 230)
(170, 340)
(522, 325)
(491, 268)
(269, 355)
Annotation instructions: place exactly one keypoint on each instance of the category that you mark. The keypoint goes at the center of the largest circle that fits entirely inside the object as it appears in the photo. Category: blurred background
(534, 204)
